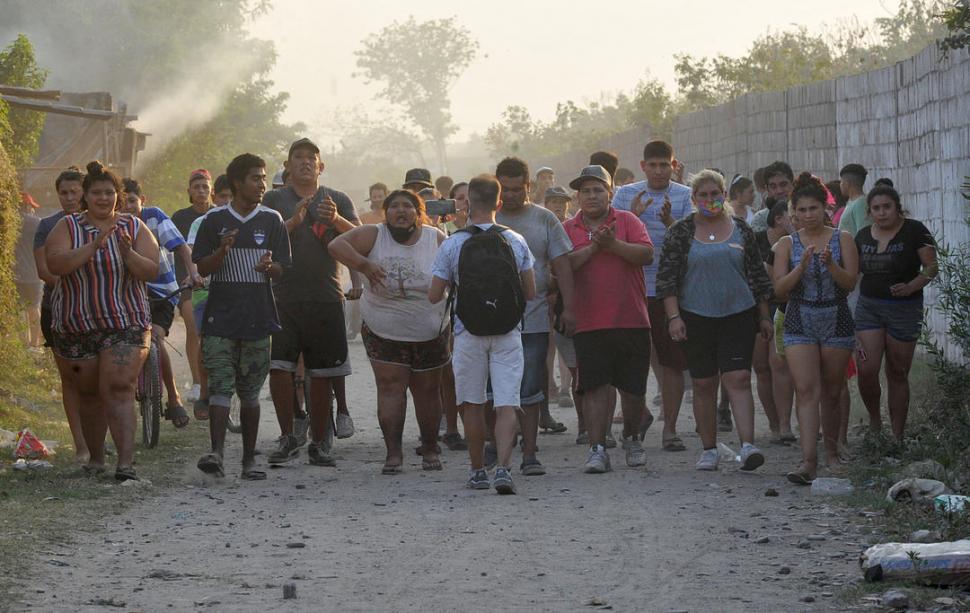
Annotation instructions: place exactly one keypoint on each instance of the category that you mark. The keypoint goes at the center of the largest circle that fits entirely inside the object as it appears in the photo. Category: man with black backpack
(490, 270)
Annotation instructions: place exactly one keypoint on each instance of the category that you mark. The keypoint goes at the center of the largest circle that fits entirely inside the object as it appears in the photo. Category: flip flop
(799, 477)
(125, 473)
(211, 464)
(252, 474)
(674, 444)
(392, 469)
(434, 464)
(201, 409)
(91, 470)
(176, 413)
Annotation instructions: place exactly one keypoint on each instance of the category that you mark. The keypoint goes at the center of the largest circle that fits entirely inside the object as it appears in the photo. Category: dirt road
(663, 538)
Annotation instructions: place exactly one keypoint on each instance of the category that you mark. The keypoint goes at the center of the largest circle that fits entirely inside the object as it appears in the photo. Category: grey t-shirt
(312, 277)
(25, 269)
(547, 240)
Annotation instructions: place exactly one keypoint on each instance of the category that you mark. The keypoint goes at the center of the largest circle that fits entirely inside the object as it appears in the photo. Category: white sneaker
(345, 426)
(751, 457)
(597, 460)
(194, 392)
(635, 455)
(708, 460)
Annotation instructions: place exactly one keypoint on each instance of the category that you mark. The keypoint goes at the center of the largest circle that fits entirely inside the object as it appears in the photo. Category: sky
(533, 53)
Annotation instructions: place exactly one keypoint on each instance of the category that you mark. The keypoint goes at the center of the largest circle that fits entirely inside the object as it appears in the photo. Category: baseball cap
(278, 179)
(592, 172)
(545, 169)
(303, 143)
(199, 173)
(418, 176)
(556, 192)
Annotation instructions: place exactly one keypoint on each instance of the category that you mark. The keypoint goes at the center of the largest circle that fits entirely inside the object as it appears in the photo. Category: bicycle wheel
(235, 425)
(149, 397)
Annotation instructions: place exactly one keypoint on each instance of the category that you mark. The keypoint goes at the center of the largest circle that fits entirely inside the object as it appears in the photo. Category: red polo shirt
(609, 291)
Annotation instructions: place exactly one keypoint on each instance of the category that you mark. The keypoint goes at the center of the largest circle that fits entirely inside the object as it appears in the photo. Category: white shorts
(476, 358)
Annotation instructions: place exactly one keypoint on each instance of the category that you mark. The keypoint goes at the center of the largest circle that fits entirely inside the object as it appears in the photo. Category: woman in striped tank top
(101, 319)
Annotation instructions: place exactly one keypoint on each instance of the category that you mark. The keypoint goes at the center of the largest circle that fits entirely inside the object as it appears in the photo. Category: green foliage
(417, 63)
(12, 351)
(956, 18)
(21, 133)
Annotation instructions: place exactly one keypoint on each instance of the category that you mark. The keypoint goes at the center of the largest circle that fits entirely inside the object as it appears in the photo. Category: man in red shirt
(610, 248)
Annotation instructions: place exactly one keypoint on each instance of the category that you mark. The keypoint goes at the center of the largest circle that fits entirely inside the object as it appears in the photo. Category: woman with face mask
(815, 268)
(716, 291)
(406, 337)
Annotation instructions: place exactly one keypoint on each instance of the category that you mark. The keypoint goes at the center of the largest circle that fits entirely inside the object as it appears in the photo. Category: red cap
(199, 174)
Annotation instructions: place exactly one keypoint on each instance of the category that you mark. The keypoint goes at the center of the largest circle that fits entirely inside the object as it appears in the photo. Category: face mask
(402, 235)
(711, 208)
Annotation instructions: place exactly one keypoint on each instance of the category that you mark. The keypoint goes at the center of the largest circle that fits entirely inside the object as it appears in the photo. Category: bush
(12, 351)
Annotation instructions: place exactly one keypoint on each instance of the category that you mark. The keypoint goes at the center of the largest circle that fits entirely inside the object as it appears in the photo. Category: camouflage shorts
(235, 366)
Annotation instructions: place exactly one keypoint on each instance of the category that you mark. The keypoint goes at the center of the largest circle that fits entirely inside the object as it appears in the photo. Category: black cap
(556, 192)
(304, 143)
(418, 176)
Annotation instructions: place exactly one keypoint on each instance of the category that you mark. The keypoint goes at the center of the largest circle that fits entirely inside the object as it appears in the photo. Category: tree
(417, 63)
(956, 19)
(21, 135)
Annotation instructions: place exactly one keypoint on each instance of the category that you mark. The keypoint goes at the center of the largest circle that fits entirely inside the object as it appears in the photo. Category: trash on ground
(826, 486)
(23, 464)
(30, 447)
(916, 490)
(726, 454)
(951, 503)
(943, 563)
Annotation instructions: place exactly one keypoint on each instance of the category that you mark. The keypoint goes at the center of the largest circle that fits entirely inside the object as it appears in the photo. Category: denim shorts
(535, 348)
(811, 325)
(901, 319)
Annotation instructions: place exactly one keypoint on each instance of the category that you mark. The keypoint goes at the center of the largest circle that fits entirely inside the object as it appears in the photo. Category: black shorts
(163, 314)
(315, 330)
(46, 320)
(669, 353)
(719, 344)
(619, 357)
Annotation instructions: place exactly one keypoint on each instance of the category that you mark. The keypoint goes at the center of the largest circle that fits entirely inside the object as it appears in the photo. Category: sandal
(800, 476)
(674, 444)
(125, 473)
(550, 426)
(201, 409)
(176, 413)
(252, 474)
(91, 470)
(211, 464)
(391, 469)
(431, 463)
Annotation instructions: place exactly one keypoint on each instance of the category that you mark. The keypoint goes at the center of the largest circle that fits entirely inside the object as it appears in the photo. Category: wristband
(670, 318)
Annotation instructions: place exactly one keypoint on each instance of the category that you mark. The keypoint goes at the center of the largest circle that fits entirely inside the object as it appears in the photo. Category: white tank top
(402, 311)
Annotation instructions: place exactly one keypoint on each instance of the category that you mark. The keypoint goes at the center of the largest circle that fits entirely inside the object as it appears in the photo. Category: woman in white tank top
(406, 337)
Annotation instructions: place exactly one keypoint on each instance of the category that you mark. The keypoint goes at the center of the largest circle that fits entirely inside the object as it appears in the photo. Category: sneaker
(194, 392)
(597, 461)
(566, 401)
(531, 467)
(708, 460)
(319, 456)
(751, 457)
(454, 442)
(503, 481)
(582, 438)
(478, 480)
(635, 455)
(301, 425)
(724, 423)
(491, 456)
(610, 441)
(287, 448)
(345, 426)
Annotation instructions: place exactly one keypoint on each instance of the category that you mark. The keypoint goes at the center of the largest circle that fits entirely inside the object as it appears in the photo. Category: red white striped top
(101, 294)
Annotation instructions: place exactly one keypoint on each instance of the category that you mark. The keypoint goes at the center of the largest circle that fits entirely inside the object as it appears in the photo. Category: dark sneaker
(300, 427)
(478, 480)
(319, 456)
(454, 442)
(610, 441)
(503, 481)
(582, 438)
(724, 422)
(287, 449)
(531, 467)
(491, 456)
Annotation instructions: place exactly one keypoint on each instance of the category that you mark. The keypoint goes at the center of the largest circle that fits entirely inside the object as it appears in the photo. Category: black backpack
(489, 295)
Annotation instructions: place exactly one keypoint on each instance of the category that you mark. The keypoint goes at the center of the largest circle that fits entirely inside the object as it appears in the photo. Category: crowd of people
(468, 305)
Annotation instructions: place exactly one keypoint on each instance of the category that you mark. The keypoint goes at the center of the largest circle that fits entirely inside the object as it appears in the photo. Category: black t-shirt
(313, 275)
(241, 304)
(898, 263)
(764, 246)
(183, 219)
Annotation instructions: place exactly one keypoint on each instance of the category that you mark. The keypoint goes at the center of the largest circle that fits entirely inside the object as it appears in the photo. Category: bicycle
(148, 392)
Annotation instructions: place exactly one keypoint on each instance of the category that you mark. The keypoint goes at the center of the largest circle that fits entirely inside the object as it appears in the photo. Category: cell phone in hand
(440, 208)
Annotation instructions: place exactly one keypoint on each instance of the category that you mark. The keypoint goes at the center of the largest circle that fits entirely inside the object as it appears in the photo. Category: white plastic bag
(944, 563)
